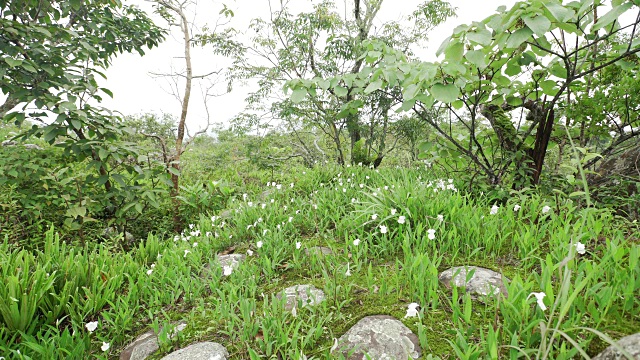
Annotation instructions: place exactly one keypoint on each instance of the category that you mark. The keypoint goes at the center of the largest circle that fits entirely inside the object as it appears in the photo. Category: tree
(176, 12)
(532, 57)
(52, 55)
(323, 44)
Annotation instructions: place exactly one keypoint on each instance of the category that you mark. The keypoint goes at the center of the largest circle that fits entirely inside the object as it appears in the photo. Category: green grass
(596, 290)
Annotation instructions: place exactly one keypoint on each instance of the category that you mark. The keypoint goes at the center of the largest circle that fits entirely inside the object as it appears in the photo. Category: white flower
(272, 201)
(92, 326)
(244, 196)
(105, 346)
(386, 188)
(494, 209)
(432, 234)
(191, 226)
(375, 194)
(264, 232)
(249, 252)
(516, 207)
(259, 244)
(348, 272)
(383, 229)
(539, 296)
(294, 312)
(290, 218)
(367, 177)
(315, 207)
(195, 244)
(356, 242)
(291, 185)
(279, 186)
(440, 217)
(250, 203)
(298, 245)
(393, 211)
(580, 248)
(546, 209)
(401, 219)
(150, 271)
(227, 270)
(374, 216)
(186, 251)
(208, 234)
(353, 200)
(263, 205)
(153, 265)
(412, 310)
(361, 186)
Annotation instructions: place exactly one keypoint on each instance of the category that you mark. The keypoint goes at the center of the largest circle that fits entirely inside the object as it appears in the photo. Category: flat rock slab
(146, 344)
(483, 282)
(379, 337)
(308, 294)
(200, 351)
(232, 260)
(630, 344)
(318, 250)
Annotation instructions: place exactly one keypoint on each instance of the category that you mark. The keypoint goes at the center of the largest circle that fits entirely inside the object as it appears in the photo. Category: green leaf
(549, 87)
(514, 101)
(298, 95)
(324, 84)
(454, 52)
(341, 91)
(13, 62)
(480, 36)
(410, 91)
(477, 58)
(518, 37)
(445, 93)
(376, 85)
(539, 24)
(561, 13)
(458, 104)
(611, 16)
(443, 46)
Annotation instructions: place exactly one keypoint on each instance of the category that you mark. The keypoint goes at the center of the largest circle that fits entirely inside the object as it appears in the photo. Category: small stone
(232, 260)
(308, 294)
(32, 147)
(630, 344)
(200, 351)
(484, 282)
(318, 250)
(146, 344)
(378, 337)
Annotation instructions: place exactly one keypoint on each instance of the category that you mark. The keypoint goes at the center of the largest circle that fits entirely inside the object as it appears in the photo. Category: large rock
(200, 351)
(308, 294)
(146, 344)
(623, 165)
(483, 282)
(630, 344)
(379, 337)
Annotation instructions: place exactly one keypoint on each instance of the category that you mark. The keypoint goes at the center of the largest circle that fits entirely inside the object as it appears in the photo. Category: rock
(379, 337)
(484, 282)
(232, 260)
(200, 351)
(308, 294)
(614, 167)
(146, 344)
(629, 343)
(226, 214)
(9, 143)
(32, 147)
(112, 232)
(318, 250)
(266, 195)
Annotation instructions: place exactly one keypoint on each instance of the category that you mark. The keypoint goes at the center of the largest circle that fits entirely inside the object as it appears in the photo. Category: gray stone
(146, 344)
(380, 337)
(308, 294)
(318, 250)
(112, 232)
(32, 147)
(630, 344)
(232, 260)
(484, 282)
(200, 351)
(9, 143)
(226, 214)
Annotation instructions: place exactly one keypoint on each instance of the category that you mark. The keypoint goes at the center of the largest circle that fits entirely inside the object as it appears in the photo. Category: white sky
(136, 91)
